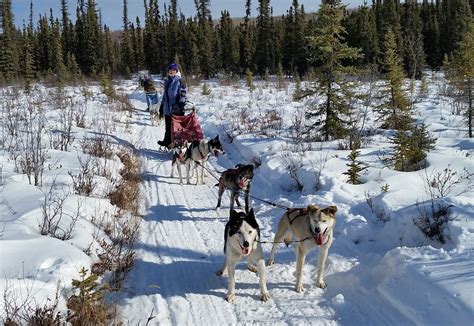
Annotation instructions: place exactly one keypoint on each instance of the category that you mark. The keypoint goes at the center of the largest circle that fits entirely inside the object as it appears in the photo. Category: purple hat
(173, 66)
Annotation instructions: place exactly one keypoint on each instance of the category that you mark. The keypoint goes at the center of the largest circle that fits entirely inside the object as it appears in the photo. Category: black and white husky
(198, 153)
(241, 239)
(179, 159)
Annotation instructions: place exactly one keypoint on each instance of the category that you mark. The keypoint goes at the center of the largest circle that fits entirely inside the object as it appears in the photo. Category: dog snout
(317, 230)
(246, 244)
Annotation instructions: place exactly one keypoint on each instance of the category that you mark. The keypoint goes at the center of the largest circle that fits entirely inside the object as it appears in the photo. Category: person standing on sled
(150, 92)
(173, 100)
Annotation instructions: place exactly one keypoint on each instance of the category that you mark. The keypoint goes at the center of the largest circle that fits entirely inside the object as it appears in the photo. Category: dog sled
(185, 128)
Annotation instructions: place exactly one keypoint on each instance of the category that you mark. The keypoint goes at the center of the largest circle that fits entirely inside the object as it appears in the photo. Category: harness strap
(301, 211)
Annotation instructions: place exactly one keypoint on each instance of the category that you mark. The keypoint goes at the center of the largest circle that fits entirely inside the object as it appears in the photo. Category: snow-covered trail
(181, 247)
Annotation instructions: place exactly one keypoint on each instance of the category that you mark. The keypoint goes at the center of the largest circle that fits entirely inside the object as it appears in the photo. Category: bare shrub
(47, 314)
(319, 165)
(440, 184)
(293, 166)
(83, 182)
(53, 211)
(433, 220)
(270, 122)
(379, 212)
(434, 215)
(127, 192)
(61, 138)
(29, 152)
(98, 146)
(118, 254)
(298, 127)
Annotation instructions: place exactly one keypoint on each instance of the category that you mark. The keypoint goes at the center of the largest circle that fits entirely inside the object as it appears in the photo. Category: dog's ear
(331, 209)
(251, 214)
(234, 215)
(312, 208)
(238, 166)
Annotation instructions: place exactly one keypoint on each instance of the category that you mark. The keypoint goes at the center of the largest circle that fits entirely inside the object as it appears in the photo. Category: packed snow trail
(181, 247)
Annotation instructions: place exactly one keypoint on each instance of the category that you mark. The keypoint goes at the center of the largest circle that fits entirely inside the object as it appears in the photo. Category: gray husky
(198, 153)
(241, 239)
(236, 180)
(312, 226)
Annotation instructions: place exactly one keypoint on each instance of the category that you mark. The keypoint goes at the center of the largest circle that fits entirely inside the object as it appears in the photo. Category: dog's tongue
(181, 157)
(318, 238)
(245, 251)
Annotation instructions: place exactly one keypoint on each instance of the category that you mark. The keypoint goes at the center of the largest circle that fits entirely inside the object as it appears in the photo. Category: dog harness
(208, 148)
(301, 211)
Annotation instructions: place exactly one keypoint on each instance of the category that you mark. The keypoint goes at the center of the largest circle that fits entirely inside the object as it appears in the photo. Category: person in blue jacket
(173, 100)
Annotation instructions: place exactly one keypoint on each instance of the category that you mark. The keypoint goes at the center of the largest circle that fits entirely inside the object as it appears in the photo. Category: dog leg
(230, 296)
(202, 172)
(323, 254)
(178, 166)
(220, 193)
(223, 269)
(279, 235)
(300, 257)
(232, 195)
(250, 265)
(172, 169)
(246, 199)
(264, 294)
(188, 171)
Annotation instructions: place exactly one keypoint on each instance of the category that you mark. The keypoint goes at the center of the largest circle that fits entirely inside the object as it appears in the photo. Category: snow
(381, 269)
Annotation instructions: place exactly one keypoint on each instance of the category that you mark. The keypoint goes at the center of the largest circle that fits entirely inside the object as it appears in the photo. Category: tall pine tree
(330, 53)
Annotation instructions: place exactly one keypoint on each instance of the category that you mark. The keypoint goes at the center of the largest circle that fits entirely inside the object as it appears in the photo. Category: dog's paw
(252, 268)
(321, 284)
(270, 262)
(299, 288)
(265, 296)
(230, 297)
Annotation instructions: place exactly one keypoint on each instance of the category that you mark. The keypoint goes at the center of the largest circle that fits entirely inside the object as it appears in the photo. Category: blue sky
(112, 9)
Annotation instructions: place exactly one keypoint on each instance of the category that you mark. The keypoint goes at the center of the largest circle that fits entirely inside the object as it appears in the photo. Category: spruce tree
(331, 53)
(414, 54)
(204, 34)
(362, 33)
(126, 41)
(355, 167)
(264, 48)
(9, 65)
(246, 44)
(460, 72)
(394, 110)
(229, 44)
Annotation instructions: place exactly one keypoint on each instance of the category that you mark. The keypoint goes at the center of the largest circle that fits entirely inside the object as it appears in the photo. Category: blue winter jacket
(174, 95)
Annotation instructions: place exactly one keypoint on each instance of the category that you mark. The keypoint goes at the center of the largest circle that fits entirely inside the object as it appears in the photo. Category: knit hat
(173, 66)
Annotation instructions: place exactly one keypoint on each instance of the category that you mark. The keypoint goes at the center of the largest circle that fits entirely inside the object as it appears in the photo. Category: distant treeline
(56, 46)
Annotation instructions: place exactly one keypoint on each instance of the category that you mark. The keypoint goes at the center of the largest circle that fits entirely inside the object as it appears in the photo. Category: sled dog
(241, 239)
(236, 180)
(314, 224)
(198, 153)
(179, 159)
